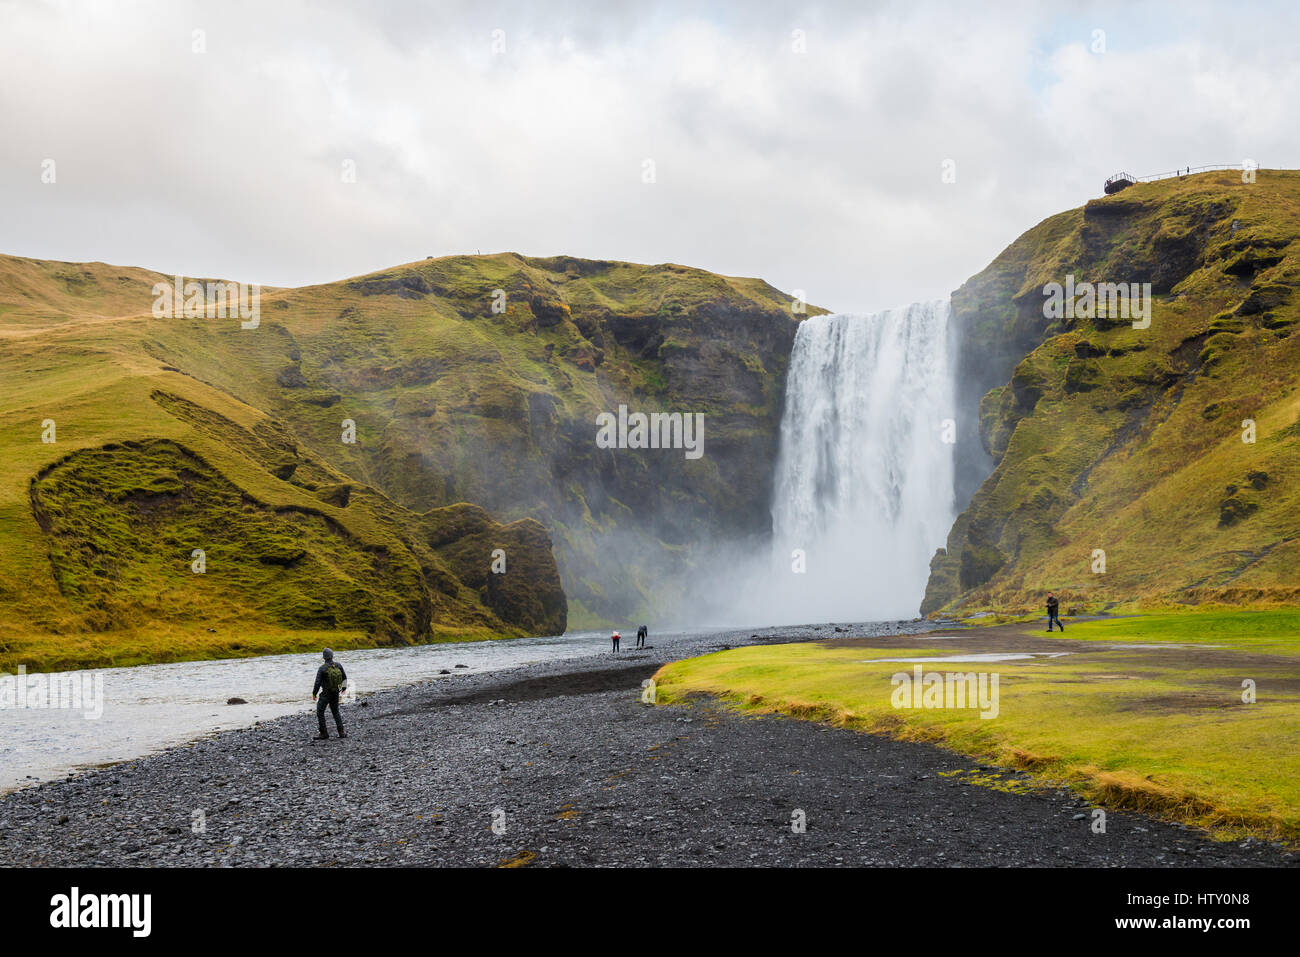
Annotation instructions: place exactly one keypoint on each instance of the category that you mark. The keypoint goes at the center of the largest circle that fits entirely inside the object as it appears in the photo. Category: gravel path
(582, 773)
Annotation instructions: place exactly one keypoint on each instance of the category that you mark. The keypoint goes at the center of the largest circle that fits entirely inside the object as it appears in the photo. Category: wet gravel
(562, 764)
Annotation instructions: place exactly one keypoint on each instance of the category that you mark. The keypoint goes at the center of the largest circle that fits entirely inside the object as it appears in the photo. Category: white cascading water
(864, 481)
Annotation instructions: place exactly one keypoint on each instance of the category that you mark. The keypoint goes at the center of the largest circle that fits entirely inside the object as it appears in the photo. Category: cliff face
(480, 379)
(376, 451)
(147, 513)
(1109, 461)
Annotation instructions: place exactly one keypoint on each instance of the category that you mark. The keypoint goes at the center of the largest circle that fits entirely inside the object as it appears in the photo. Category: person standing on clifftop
(1053, 612)
(331, 679)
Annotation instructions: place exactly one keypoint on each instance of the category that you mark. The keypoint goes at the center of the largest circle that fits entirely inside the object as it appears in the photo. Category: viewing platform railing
(1188, 171)
(1122, 180)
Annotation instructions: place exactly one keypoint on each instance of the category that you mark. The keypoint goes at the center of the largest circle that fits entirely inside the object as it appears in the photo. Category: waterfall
(864, 480)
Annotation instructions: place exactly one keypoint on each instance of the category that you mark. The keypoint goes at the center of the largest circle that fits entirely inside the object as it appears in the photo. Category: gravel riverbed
(560, 763)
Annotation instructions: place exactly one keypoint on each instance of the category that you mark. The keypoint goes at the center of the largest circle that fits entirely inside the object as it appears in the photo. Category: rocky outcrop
(122, 523)
(1103, 448)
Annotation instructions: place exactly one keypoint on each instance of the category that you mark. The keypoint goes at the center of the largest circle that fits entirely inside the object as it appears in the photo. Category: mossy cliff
(325, 460)
(1118, 466)
(480, 379)
(147, 515)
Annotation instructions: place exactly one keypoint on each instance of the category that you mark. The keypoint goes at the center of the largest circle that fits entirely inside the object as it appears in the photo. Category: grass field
(161, 643)
(1144, 713)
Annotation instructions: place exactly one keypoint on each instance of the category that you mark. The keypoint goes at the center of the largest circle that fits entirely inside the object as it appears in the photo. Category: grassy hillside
(1106, 438)
(455, 400)
(98, 527)
(467, 379)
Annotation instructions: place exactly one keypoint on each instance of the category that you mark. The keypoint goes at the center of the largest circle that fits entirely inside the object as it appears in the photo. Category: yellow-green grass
(1271, 630)
(1164, 731)
(1260, 625)
(161, 643)
(79, 594)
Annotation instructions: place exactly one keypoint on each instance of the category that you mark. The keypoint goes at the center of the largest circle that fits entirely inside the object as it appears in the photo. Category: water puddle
(1160, 647)
(988, 656)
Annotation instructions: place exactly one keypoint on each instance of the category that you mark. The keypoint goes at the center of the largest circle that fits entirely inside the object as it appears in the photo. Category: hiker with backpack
(614, 638)
(641, 634)
(1053, 612)
(331, 679)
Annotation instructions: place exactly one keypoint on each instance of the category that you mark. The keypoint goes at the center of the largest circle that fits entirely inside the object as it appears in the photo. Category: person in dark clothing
(641, 634)
(1053, 612)
(614, 638)
(331, 679)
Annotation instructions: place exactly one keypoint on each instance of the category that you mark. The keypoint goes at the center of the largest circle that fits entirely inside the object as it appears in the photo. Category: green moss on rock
(1119, 440)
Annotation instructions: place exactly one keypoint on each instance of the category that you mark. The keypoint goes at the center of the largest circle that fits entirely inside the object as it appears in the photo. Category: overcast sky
(818, 170)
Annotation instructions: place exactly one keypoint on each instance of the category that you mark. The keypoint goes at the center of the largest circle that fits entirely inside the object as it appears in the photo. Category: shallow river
(152, 707)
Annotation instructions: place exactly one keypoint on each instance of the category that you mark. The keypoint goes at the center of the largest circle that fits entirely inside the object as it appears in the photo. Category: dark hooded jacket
(322, 680)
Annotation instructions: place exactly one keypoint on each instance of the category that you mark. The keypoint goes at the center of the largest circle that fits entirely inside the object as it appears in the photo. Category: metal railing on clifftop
(1123, 180)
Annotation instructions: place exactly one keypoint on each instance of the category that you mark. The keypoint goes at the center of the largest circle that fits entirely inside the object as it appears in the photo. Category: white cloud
(818, 171)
